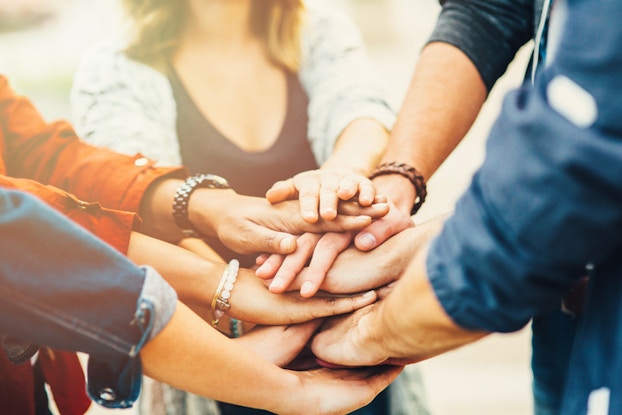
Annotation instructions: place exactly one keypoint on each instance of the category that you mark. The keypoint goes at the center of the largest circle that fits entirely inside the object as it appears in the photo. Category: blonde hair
(158, 23)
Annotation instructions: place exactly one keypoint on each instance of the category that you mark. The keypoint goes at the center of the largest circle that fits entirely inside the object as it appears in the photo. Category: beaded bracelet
(220, 302)
(411, 174)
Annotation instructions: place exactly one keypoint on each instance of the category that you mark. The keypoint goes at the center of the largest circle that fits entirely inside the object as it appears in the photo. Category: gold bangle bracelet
(220, 302)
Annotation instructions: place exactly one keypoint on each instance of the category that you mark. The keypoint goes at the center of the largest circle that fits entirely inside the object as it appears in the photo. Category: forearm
(359, 147)
(193, 277)
(156, 209)
(416, 330)
(208, 364)
(444, 98)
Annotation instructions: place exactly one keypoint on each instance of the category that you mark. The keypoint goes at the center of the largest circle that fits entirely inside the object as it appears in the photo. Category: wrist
(181, 200)
(285, 393)
(409, 172)
(397, 189)
(205, 209)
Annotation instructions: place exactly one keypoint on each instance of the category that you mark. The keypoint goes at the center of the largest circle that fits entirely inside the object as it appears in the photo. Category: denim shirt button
(107, 394)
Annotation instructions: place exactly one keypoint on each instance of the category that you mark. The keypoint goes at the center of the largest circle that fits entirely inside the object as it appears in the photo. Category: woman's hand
(319, 192)
(320, 250)
(252, 302)
(335, 392)
(279, 344)
(248, 224)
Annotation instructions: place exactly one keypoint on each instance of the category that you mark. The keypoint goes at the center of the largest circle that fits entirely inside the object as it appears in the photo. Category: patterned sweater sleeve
(339, 78)
(124, 105)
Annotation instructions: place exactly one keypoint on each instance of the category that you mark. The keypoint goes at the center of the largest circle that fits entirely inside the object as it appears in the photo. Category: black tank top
(204, 149)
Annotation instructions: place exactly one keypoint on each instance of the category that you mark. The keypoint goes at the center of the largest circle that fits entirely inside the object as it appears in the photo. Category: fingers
(367, 192)
(268, 268)
(382, 229)
(294, 263)
(326, 250)
(282, 190)
(328, 198)
(353, 208)
(257, 238)
(320, 192)
(291, 339)
(261, 258)
(320, 306)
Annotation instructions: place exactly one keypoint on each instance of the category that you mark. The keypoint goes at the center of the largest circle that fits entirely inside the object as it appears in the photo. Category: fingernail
(288, 244)
(329, 213)
(276, 283)
(367, 240)
(260, 269)
(307, 288)
(369, 294)
(309, 215)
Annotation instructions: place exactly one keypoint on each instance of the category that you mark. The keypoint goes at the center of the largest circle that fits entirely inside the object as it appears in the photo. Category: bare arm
(245, 224)
(208, 364)
(196, 279)
(444, 98)
(396, 329)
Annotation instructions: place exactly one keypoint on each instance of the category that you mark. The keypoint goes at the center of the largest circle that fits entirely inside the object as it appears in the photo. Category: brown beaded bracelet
(411, 174)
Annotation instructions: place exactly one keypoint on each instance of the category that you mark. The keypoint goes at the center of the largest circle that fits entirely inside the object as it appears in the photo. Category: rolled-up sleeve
(63, 288)
(548, 198)
(339, 78)
(488, 32)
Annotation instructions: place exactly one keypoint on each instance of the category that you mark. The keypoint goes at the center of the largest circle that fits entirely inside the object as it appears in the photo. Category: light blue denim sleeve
(62, 287)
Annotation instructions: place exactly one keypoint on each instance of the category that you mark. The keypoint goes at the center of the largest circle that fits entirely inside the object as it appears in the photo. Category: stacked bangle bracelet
(220, 302)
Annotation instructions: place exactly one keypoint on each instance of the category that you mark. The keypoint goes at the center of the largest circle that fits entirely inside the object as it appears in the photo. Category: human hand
(335, 392)
(248, 224)
(320, 249)
(319, 192)
(279, 344)
(377, 232)
(356, 271)
(252, 302)
(348, 341)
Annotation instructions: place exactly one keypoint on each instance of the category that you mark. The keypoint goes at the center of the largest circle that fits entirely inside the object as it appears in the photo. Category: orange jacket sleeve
(96, 187)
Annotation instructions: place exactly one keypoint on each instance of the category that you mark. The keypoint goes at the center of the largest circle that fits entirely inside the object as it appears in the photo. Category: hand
(279, 344)
(382, 229)
(335, 392)
(320, 249)
(348, 340)
(321, 190)
(248, 224)
(252, 302)
(355, 271)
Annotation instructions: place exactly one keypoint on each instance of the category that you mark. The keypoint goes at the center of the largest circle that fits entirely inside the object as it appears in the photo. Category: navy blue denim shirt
(61, 287)
(546, 202)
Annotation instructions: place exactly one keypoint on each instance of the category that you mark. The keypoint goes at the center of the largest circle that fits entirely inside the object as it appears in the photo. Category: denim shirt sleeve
(62, 287)
(546, 201)
(489, 32)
